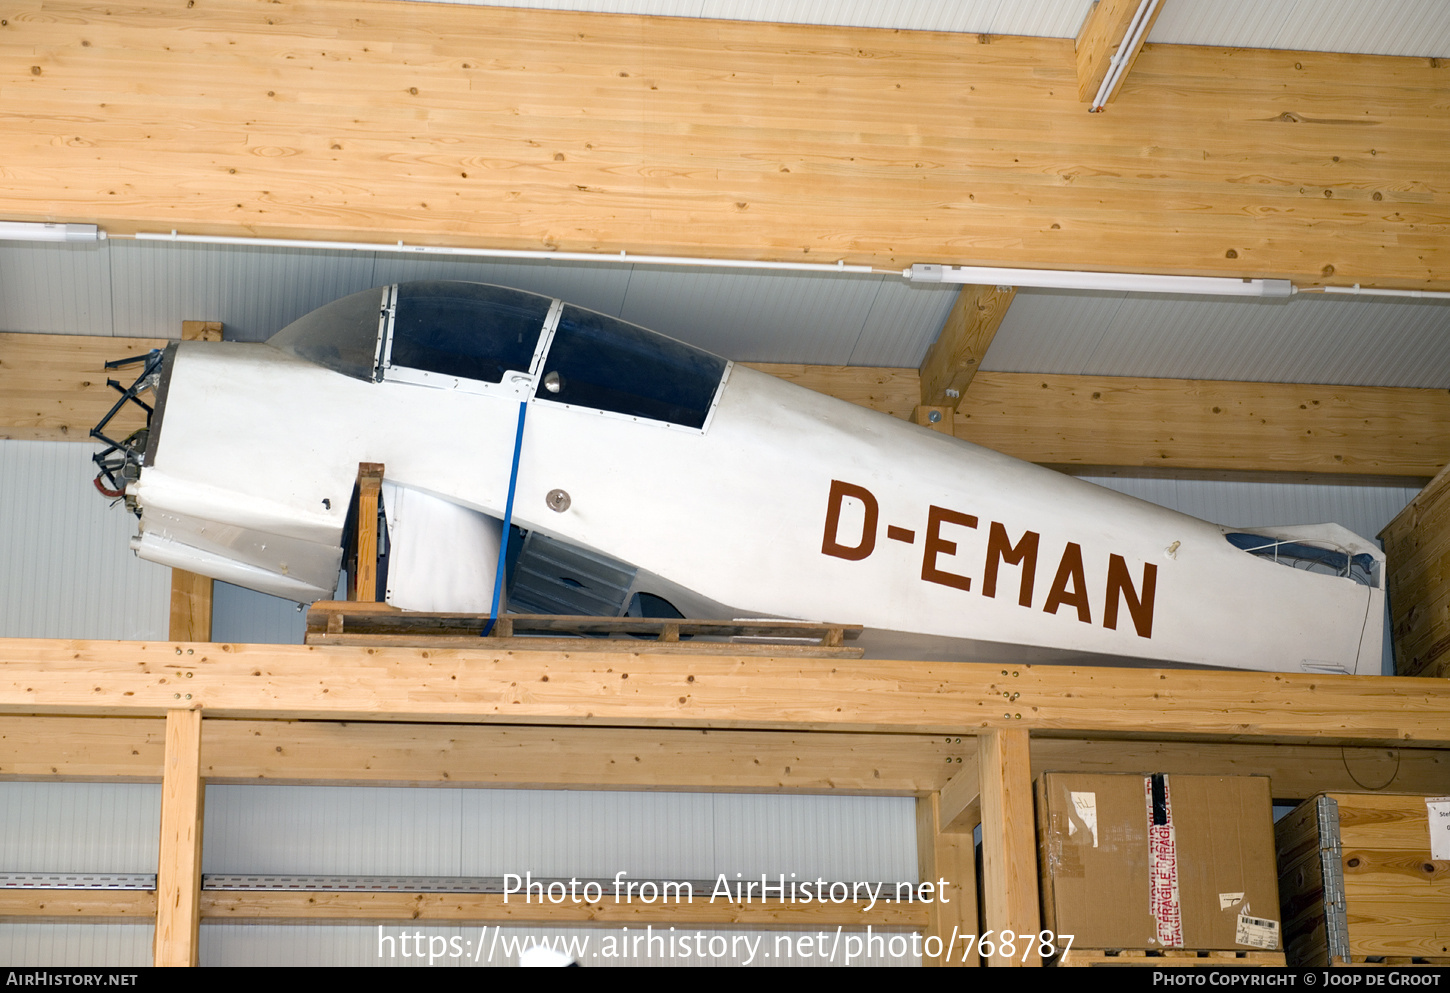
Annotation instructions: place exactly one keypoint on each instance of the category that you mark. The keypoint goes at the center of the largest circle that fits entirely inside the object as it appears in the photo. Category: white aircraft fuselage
(779, 502)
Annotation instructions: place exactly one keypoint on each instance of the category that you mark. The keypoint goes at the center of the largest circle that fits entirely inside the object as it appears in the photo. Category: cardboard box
(1361, 880)
(1154, 861)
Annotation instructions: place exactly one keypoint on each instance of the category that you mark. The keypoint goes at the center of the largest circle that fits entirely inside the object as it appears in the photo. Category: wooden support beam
(178, 875)
(947, 860)
(590, 131)
(39, 676)
(1009, 839)
(1088, 421)
(190, 606)
(24, 906)
(961, 799)
(662, 758)
(1101, 39)
(1075, 421)
(523, 757)
(339, 907)
(956, 355)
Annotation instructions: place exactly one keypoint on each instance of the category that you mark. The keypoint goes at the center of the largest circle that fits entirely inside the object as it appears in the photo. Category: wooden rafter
(956, 355)
(1102, 38)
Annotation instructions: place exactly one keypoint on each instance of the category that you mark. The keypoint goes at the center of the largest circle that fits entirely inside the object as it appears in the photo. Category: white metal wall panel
(332, 830)
(79, 827)
(1051, 331)
(551, 833)
(76, 944)
(1391, 27)
(483, 947)
(903, 322)
(66, 567)
(837, 838)
(755, 317)
(1365, 510)
(254, 291)
(245, 616)
(58, 289)
(579, 833)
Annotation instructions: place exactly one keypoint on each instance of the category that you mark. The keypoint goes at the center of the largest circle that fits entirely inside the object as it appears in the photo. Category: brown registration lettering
(829, 543)
(937, 545)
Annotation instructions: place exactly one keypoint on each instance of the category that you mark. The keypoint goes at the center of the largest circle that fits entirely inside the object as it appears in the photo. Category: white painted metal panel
(901, 325)
(332, 830)
(65, 566)
(836, 838)
(255, 292)
(76, 944)
(588, 834)
(755, 317)
(79, 827)
(57, 289)
(240, 615)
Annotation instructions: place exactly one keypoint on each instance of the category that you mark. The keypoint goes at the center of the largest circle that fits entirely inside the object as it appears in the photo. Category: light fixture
(40, 231)
(1128, 282)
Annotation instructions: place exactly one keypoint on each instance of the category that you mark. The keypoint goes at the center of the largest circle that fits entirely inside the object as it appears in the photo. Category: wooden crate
(1357, 882)
(1417, 552)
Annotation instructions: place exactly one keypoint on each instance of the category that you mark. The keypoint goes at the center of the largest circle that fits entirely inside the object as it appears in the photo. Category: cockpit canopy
(493, 340)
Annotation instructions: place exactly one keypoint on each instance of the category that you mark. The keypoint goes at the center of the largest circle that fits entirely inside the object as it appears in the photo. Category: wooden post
(369, 489)
(949, 856)
(191, 597)
(1009, 841)
(178, 872)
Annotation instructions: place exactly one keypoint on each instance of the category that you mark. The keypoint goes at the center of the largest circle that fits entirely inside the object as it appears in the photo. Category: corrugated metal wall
(66, 568)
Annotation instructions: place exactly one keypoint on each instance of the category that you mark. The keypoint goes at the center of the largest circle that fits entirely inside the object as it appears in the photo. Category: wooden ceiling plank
(684, 136)
(956, 355)
(39, 676)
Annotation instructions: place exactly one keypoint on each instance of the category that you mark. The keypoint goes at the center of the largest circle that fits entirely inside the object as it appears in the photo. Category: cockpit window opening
(471, 331)
(616, 367)
(1322, 558)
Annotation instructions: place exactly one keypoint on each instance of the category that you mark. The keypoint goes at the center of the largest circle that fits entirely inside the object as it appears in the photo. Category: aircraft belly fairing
(727, 489)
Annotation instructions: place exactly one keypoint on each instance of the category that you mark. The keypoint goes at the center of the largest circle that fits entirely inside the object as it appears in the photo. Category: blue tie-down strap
(508, 516)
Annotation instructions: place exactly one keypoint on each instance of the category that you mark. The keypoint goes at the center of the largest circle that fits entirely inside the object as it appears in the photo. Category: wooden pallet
(1166, 957)
(338, 622)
